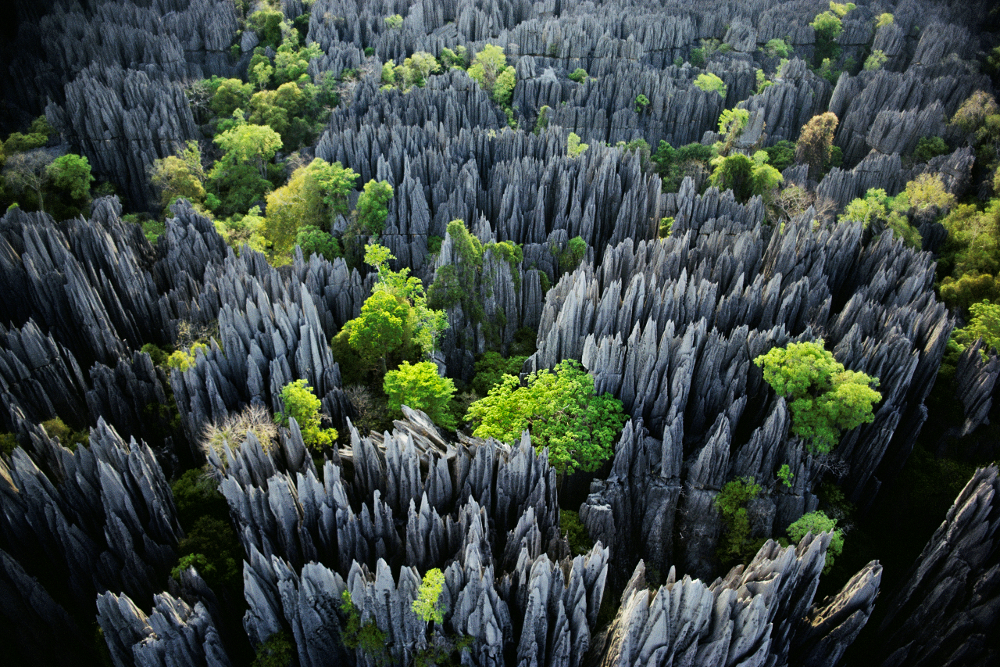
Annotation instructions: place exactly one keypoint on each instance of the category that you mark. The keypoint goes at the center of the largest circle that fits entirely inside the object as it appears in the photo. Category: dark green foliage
(561, 411)
(368, 638)
(731, 502)
(18, 143)
(524, 342)
(446, 651)
(8, 442)
(828, 27)
(420, 387)
(451, 283)
(277, 651)
(578, 75)
(543, 119)
(777, 47)
(71, 173)
(434, 244)
(697, 57)
(369, 51)
(579, 540)
(312, 240)
(823, 397)
(267, 24)
(572, 254)
(197, 561)
(70, 439)
(929, 148)
(157, 354)
(214, 539)
(734, 173)
(491, 368)
(641, 102)
(238, 187)
(373, 207)
(781, 155)
(673, 164)
(196, 494)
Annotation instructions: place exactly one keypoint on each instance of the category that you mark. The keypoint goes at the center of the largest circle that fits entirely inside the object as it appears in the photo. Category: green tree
(420, 387)
(277, 651)
(378, 331)
(641, 102)
(503, 89)
(876, 60)
(491, 368)
(367, 638)
(579, 75)
(72, 173)
(823, 397)
(883, 20)
(827, 27)
(573, 146)
(815, 144)
(301, 404)
(818, 522)
(373, 207)
(314, 195)
(230, 95)
(487, 65)
(984, 323)
(777, 47)
(426, 605)
(709, 82)
(734, 173)
(929, 148)
(785, 475)
(731, 124)
(572, 254)
(561, 411)
(27, 174)
(179, 176)
(781, 155)
(394, 22)
(732, 501)
(267, 23)
(249, 144)
(314, 240)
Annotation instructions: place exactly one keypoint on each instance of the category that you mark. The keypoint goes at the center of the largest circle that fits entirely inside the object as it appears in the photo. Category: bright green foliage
(292, 63)
(395, 318)
(491, 369)
(777, 47)
(877, 206)
(732, 503)
(452, 283)
(973, 245)
(503, 89)
(72, 173)
(873, 207)
(823, 397)
(458, 58)
(490, 70)
(373, 207)
(984, 323)
(576, 534)
(828, 27)
(249, 144)
(184, 360)
(573, 146)
(367, 638)
(876, 60)
(69, 438)
(732, 122)
(641, 102)
(765, 179)
(929, 148)
(301, 404)
(840, 9)
(883, 20)
(240, 230)
(420, 387)
(785, 475)
(426, 605)
(178, 176)
(394, 22)
(314, 240)
(197, 561)
(579, 75)
(666, 225)
(573, 254)
(560, 410)
(267, 24)
(818, 522)
(313, 196)
(230, 95)
(277, 651)
(708, 82)
(260, 74)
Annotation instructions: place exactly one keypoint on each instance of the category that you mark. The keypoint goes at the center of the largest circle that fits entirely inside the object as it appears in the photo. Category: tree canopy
(420, 387)
(818, 522)
(301, 404)
(560, 410)
(823, 397)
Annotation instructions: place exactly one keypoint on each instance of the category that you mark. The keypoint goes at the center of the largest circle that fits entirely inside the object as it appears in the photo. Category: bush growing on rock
(710, 82)
(824, 398)
(301, 404)
(732, 503)
(561, 411)
(818, 522)
(420, 387)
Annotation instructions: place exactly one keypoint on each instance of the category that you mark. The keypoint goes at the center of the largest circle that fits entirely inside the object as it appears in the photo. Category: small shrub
(573, 146)
(883, 20)
(710, 82)
(785, 475)
(426, 605)
(666, 225)
(277, 651)
(368, 638)
(394, 22)
(818, 522)
(156, 354)
(369, 51)
(8, 443)
(576, 534)
(876, 60)
(929, 148)
(732, 503)
(578, 75)
(491, 369)
(777, 47)
(420, 387)
(641, 102)
(572, 254)
(68, 438)
(301, 404)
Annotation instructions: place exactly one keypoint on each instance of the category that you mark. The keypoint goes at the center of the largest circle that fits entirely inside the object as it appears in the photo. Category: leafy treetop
(426, 605)
(823, 397)
(561, 411)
